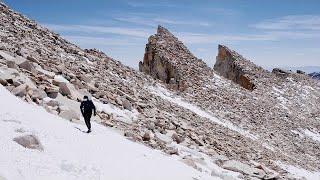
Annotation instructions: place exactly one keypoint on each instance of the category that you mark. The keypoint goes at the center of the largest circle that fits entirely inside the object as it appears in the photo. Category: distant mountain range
(312, 71)
(315, 75)
(307, 69)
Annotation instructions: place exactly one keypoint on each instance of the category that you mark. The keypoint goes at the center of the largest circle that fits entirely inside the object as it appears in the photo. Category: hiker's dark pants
(87, 117)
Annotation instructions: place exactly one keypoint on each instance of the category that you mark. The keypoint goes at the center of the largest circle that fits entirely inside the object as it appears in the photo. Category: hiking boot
(89, 131)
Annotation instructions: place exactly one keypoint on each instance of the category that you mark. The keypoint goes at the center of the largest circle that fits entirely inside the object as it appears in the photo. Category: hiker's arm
(81, 108)
(94, 109)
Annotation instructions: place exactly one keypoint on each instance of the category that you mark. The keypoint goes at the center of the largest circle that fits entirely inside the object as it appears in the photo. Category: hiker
(86, 108)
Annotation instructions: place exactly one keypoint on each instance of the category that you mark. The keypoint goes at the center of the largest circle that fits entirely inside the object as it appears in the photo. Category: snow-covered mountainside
(63, 151)
(233, 117)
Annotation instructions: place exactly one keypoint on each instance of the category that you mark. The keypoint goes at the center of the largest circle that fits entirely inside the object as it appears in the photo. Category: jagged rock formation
(264, 111)
(233, 66)
(209, 116)
(167, 59)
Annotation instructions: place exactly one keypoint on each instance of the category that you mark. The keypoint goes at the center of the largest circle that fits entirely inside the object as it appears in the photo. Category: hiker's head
(85, 98)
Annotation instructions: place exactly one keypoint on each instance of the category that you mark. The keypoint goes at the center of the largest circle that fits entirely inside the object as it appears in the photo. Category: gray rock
(3, 82)
(52, 92)
(64, 89)
(126, 104)
(69, 115)
(151, 125)
(119, 101)
(53, 103)
(27, 66)
(172, 151)
(237, 166)
(38, 94)
(8, 74)
(56, 82)
(20, 91)
(32, 59)
(10, 88)
(6, 56)
(12, 64)
(176, 138)
(146, 137)
(86, 78)
(29, 141)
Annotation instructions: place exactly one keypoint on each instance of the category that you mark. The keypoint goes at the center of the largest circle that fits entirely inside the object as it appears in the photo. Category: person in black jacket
(86, 108)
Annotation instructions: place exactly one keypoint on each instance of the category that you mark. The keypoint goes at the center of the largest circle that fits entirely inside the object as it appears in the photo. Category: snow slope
(71, 154)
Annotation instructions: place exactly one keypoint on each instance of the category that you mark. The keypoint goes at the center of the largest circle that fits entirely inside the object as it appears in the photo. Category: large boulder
(12, 64)
(20, 91)
(8, 74)
(52, 103)
(29, 141)
(52, 92)
(38, 94)
(85, 78)
(27, 66)
(69, 114)
(65, 89)
(126, 104)
(242, 168)
(6, 56)
(3, 82)
(146, 136)
(40, 70)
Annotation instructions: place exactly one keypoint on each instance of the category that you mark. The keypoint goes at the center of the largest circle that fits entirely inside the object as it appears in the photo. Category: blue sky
(270, 33)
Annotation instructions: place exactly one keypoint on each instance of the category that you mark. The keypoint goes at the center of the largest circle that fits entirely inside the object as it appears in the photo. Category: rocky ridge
(166, 58)
(275, 100)
(209, 117)
(233, 66)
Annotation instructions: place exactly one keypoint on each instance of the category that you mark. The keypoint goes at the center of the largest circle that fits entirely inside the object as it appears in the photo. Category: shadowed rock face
(158, 66)
(227, 65)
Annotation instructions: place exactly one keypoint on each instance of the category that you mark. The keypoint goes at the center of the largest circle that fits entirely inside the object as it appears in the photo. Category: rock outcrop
(233, 66)
(29, 141)
(168, 59)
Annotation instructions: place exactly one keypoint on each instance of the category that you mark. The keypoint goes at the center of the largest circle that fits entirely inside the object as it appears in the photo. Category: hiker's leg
(87, 120)
(89, 123)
